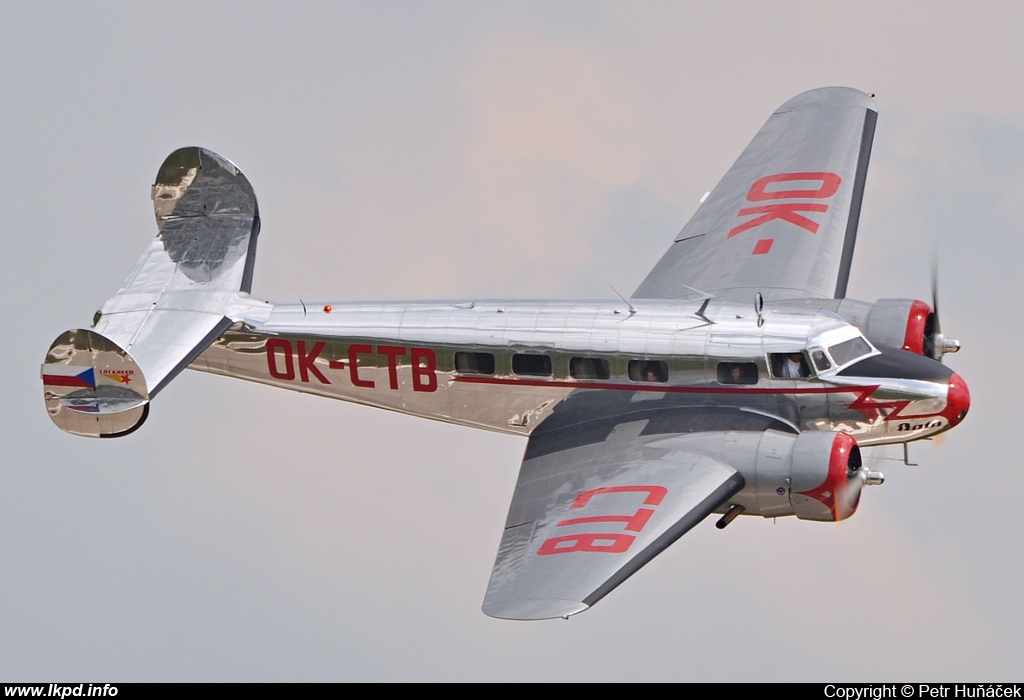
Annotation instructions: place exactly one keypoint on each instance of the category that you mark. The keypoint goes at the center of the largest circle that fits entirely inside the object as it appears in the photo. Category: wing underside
(783, 220)
(595, 500)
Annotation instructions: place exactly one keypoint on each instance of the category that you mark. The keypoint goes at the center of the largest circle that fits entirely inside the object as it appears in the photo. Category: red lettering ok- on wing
(783, 219)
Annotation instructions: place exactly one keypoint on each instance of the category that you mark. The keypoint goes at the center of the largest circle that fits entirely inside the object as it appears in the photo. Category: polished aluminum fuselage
(401, 356)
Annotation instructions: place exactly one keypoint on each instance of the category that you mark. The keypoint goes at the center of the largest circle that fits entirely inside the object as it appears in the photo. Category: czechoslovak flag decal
(70, 376)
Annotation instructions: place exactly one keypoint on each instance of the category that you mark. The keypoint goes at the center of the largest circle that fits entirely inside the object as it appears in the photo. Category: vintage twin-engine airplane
(737, 378)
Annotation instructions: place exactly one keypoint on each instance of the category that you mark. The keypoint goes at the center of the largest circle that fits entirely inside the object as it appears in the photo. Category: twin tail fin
(98, 382)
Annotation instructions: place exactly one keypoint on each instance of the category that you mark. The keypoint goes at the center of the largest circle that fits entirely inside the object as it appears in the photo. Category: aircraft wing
(599, 497)
(783, 219)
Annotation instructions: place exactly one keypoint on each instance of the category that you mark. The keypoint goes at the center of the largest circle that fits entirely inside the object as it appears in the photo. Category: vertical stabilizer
(92, 387)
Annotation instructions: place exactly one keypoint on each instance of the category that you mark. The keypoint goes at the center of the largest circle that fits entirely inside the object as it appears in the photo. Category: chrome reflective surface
(178, 299)
(364, 352)
(184, 285)
(92, 387)
(205, 211)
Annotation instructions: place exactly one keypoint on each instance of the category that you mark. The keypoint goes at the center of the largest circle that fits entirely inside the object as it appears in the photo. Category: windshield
(849, 350)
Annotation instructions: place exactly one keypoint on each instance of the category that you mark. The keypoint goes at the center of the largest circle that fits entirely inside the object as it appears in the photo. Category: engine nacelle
(900, 323)
(826, 476)
(816, 475)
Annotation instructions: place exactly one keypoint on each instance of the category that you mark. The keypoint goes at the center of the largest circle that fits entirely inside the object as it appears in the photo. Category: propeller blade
(936, 344)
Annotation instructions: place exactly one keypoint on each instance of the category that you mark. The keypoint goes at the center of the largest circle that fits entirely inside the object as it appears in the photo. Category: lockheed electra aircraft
(737, 379)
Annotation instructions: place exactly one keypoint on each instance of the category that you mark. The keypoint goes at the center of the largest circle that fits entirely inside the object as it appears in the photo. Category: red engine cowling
(814, 475)
(900, 323)
(827, 476)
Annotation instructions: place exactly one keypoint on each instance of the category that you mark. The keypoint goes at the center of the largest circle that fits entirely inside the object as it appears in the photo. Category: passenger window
(474, 363)
(737, 373)
(821, 360)
(531, 365)
(588, 368)
(648, 371)
(789, 365)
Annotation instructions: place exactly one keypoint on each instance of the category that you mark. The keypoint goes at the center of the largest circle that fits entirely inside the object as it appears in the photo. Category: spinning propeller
(935, 343)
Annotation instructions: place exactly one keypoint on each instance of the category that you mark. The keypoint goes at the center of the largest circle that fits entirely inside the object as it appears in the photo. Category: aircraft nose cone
(958, 400)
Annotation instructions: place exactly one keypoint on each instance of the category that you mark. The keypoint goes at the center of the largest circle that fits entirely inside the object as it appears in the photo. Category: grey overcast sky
(449, 149)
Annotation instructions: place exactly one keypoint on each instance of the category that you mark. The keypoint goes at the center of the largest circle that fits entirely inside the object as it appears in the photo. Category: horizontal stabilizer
(181, 296)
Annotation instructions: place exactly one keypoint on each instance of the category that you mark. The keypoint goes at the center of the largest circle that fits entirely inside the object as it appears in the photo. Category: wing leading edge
(585, 517)
(783, 219)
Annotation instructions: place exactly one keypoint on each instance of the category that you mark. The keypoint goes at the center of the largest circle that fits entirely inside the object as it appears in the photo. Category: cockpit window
(849, 350)
(821, 361)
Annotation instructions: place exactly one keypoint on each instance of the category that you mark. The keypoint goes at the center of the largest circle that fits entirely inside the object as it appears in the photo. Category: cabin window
(531, 365)
(789, 365)
(474, 363)
(589, 368)
(737, 373)
(648, 371)
(849, 350)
